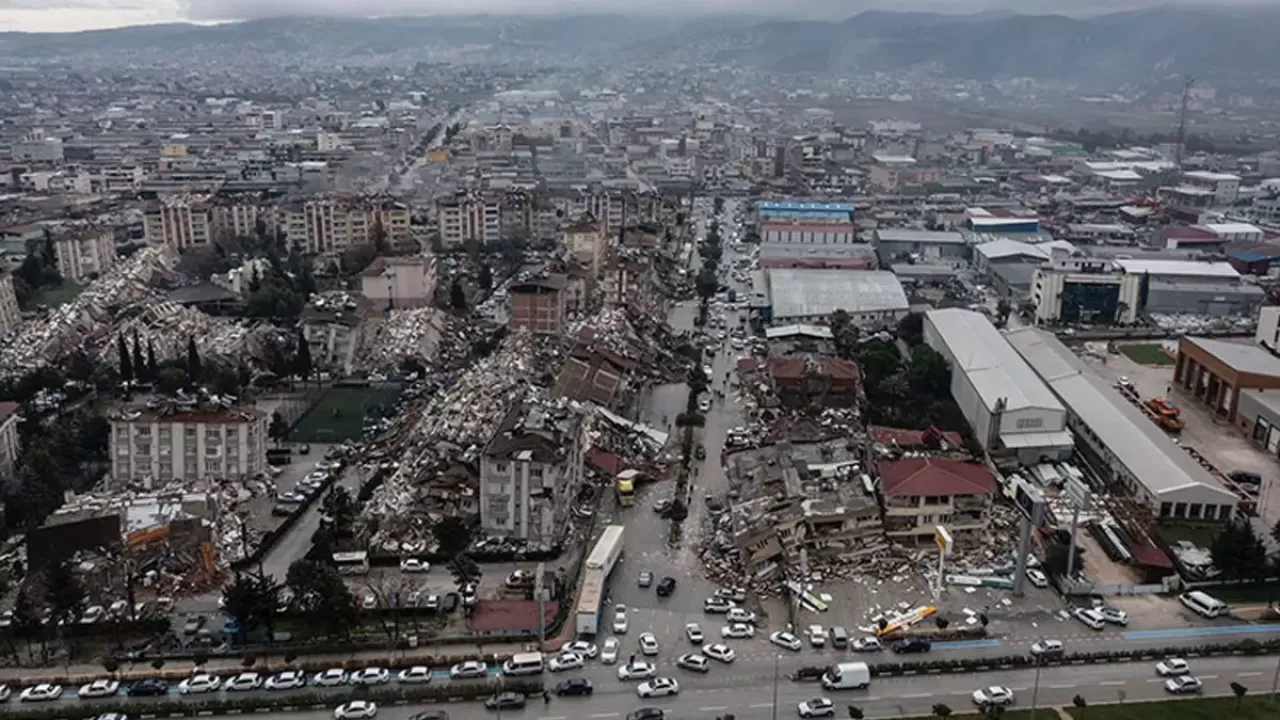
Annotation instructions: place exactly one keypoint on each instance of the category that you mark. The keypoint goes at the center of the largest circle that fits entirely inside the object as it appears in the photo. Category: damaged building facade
(530, 471)
(795, 498)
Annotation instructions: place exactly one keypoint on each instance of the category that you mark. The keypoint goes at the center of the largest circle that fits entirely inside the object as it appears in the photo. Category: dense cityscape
(649, 368)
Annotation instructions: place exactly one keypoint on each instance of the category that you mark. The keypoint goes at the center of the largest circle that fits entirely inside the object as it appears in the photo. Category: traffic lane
(297, 541)
(753, 696)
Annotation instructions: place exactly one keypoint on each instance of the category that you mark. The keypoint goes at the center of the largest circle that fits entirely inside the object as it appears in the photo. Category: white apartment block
(1225, 186)
(179, 222)
(332, 225)
(530, 472)
(464, 218)
(85, 253)
(152, 449)
(10, 315)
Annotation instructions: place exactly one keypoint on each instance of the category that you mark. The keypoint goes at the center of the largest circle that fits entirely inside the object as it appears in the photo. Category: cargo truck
(604, 556)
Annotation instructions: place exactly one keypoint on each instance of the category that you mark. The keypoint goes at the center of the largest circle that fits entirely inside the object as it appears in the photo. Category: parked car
(620, 619)
(738, 631)
(287, 680)
(694, 662)
(199, 683)
(583, 648)
(740, 615)
(468, 670)
(148, 688)
(786, 640)
(356, 710)
(1048, 649)
(370, 676)
(817, 707)
(912, 645)
(1037, 578)
(648, 644)
(1173, 667)
(609, 653)
(566, 661)
(666, 587)
(575, 687)
(994, 695)
(243, 682)
(333, 677)
(719, 651)
(637, 670)
(505, 701)
(416, 675)
(1091, 617)
(693, 631)
(414, 565)
(645, 579)
(1184, 685)
(870, 643)
(100, 688)
(658, 687)
(716, 606)
(1114, 616)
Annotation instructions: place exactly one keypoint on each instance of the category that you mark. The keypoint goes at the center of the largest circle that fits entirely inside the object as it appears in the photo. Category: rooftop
(924, 237)
(1153, 458)
(1241, 357)
(934, 476)
(818, 293)
(1186, 268)
(995, 369)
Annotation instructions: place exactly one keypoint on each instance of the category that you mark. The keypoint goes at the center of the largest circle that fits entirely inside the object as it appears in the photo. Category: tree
(110, 665)
(339, 510)
(64, 593)
(379, 236)
(942, 710)
(126, 361)
(279, 428)
(457, 298)
(157, 664)
(855, 713)
(911, 328)
(485, 280)
(690, 419)
(302, 358)
(320, 594)
(452, 535)
(1239, 691)
(929, 373)
(251, 600)
(152, 370)
(1080, 703)
(1239, 553)
(942, 622)
(171, 379)
(193, 359)
(706, 284)
(465, 570)
(139, 361)
(1003, 309)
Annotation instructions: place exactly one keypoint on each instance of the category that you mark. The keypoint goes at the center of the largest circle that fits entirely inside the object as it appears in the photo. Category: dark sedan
(575, 686)
(505, 701)
(145, 688)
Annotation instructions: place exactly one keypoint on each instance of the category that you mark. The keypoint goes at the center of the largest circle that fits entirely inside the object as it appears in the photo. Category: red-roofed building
(908, 439)
(923, 492)
(802, 380)
(509, 618)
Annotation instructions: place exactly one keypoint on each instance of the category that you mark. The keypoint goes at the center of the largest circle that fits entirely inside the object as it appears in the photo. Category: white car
(637, 670)
(716, 605)
(694, 662)
(719, 651)
(414, 565)
(739, 615)
(370, 676)
(817, 636)
(242, 682)
(1047, 647)
(870, 643)
(355, 710)
(287, 680)
(694, 632)
(620, 619)
(1183, 684)
(1114, 616)
(658, 687)
(1091, 617)
(786, 640)
(994, 695)
(93, 615)
(1172, 667)
(738, 631)
(99, 688)
(416, 675)
(1037, 578)
(199, 684)
(332, 677)
(566, 661)
(609, 655)
(583, 648)
(648, 644)
(817, 707)
(5, 692)
(41, 693)
(469, 669)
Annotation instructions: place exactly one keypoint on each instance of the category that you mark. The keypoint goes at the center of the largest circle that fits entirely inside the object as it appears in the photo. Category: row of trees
(912, 392)
(39, 269)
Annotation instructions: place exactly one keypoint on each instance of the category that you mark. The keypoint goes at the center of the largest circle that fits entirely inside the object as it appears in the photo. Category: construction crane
(1187, 82)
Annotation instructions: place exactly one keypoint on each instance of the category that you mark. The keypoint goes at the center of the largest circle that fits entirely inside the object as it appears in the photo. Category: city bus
(352, 563)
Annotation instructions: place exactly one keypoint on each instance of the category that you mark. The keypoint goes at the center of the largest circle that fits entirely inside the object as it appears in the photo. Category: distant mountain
(1227, 45)
(1224, 46)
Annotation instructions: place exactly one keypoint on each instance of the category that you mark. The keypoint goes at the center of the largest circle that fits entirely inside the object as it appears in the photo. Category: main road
(753, 693)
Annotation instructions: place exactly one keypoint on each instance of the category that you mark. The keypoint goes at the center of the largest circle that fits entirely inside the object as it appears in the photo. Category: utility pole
(1187, 82)
(775, 685)
(540, 594)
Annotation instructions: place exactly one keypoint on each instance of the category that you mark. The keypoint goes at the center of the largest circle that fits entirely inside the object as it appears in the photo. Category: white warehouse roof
(803, 292)
(992, 366)
(1179, 268)
(1167, 472)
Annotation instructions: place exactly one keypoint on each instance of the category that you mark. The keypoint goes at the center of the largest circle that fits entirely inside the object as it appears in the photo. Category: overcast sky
(66, 15)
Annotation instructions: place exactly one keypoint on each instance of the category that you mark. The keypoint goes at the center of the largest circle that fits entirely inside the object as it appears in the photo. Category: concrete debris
(405, 334)
(90, 315)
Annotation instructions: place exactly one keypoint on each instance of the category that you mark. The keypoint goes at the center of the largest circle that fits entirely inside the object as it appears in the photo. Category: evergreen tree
(139, 362)
(193, 359)
(302, 358)
(457, 298)
(486, 277)
(126, 362)
(152, 368)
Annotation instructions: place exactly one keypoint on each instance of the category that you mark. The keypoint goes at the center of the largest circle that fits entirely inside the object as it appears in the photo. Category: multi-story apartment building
(152, 448)
(181, 222)
(10, 445)
(469, 217)
(399, 282)
(10, 314)
(584, 241)
(325, 226)
(239, 217)
(84, 253)
(539, 305)
(530, 471)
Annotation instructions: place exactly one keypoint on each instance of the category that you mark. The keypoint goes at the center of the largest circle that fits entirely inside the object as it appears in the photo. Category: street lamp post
(776, 657)
(1035, 688)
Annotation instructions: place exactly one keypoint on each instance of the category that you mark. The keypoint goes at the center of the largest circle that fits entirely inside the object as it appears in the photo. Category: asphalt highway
(751, 692)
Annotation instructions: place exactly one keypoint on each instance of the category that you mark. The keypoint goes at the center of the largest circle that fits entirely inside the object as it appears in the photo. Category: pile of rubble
(168, 325)
(406, 333)
(1189, 324)
(66, 327)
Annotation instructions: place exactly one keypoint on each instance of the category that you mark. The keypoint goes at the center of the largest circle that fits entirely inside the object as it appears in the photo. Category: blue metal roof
(807, 214)
(1249, 256)
(804, 206)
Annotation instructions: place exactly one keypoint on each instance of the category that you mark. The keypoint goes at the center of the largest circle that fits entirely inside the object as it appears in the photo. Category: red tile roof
(911, 438)
(934, 476)
(511, 616)
(605, 460)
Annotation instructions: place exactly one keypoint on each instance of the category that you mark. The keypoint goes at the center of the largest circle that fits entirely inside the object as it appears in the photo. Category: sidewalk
(434, 656)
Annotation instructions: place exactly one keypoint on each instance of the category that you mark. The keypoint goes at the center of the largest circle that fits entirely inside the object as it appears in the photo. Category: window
(233, 433)
(1180, 510)
(1195, 511)
(212, 466)
(213, 435)
(1210, 512)
(1030, 423)
(143, 449)
(144, 431)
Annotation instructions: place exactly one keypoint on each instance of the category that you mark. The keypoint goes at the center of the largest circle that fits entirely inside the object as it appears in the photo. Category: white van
(847, 676)
(529, 663)
(1206, 605)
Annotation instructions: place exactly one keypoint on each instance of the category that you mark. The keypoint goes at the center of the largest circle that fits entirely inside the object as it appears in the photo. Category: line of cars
(290, 501)
(200, 683)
